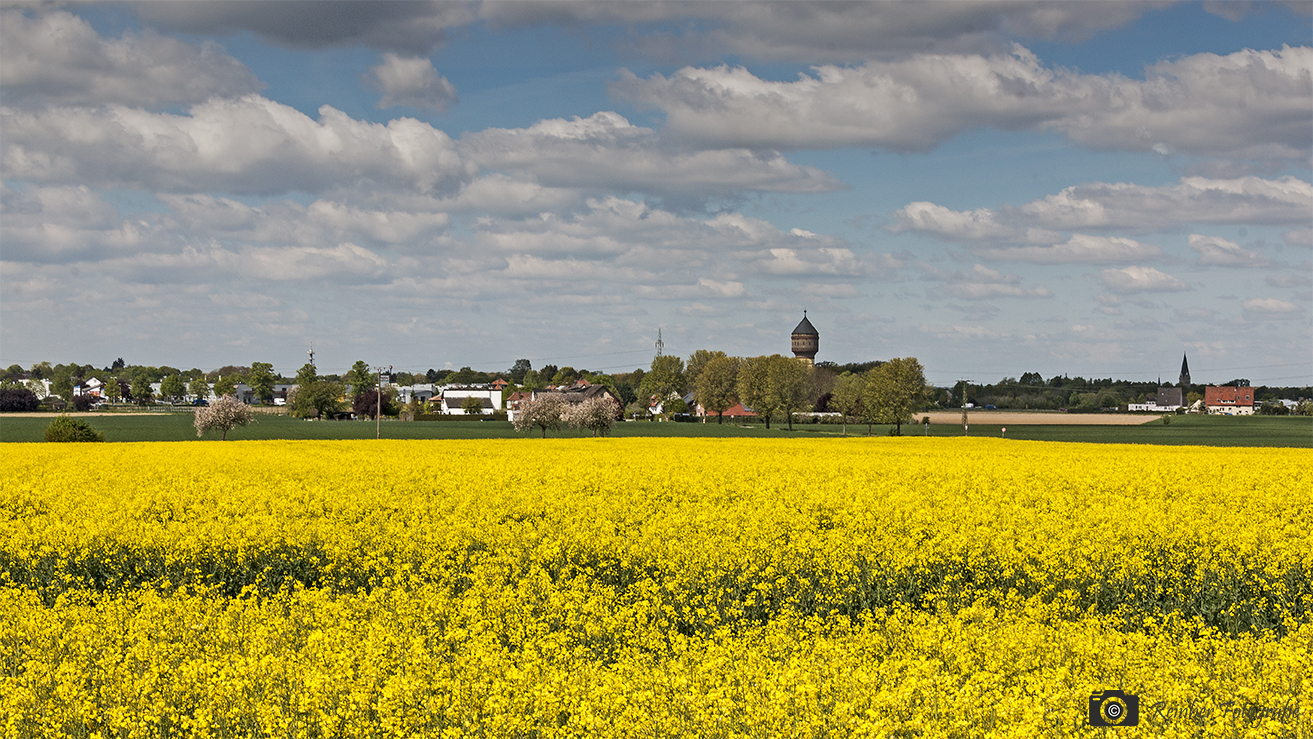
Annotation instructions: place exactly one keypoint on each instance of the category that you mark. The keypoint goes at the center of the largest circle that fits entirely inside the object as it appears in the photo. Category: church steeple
(1185, 372)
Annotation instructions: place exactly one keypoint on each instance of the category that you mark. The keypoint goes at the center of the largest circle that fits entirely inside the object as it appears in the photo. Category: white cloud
(290, 223)
(410, 81)
(58, 58)
(1250, 104)
(1100, 205)
(1140, 279)
(972, 225)
(246, 145)
(1079, 249)
(1299, 237)
(72, 224)
(605, 150)
(1217, 251)
(1249, 200)
(981, 283)
(1270, 306)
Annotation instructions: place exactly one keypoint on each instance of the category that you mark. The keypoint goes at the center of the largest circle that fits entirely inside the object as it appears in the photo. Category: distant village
(667, 390)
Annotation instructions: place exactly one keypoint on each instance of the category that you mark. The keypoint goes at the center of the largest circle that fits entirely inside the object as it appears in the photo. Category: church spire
(1185, 371)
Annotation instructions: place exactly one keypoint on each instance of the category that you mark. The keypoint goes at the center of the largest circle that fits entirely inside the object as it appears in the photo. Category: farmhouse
(1168, 400)
(1229, 401)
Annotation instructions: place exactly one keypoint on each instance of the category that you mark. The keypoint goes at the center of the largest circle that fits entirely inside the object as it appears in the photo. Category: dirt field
(1021, 418)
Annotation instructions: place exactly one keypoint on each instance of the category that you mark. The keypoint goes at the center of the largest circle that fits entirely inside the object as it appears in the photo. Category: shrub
(18, 400)
(83, 403)
(65, 428)
(366, 404)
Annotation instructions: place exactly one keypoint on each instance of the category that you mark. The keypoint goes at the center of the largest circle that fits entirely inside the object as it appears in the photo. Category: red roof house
(1230, 401)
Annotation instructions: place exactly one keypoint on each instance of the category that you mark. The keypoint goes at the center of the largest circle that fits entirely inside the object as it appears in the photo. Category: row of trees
(779, 385)
(550, 412)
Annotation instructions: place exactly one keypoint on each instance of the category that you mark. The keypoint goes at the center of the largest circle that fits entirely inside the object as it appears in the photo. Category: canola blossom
(653, 587)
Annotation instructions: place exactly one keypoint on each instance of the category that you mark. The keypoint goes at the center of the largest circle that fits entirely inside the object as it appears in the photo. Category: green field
(1290, 431)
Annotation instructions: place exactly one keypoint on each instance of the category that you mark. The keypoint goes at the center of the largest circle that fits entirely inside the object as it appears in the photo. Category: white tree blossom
(595, 414)
(547, 411)
(224, 414)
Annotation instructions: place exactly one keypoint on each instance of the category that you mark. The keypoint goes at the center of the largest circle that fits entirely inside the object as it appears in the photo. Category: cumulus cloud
(803, 31)
(1247, 200)
(405, 26)
(1299, 237)
(58, 58)
(248, 145)
(1101, 205)
(1079, 249)
(1139, 280)
(72, 224)
(980, 283)
(410, 81)
(810, 31)
(605, 150)
(290, 223)
(1248, 105)
(1271, 306)
(1217, 251)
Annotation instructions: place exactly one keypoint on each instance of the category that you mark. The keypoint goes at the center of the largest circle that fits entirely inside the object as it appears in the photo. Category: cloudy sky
(992, 187)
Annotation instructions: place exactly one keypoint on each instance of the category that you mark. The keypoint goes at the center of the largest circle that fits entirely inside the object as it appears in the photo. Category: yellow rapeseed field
(653, 588)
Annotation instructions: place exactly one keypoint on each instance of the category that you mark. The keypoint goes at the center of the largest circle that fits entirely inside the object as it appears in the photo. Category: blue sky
(995, 188)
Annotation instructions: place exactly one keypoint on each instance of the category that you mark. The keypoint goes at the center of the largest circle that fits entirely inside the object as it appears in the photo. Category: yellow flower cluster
(653, 587)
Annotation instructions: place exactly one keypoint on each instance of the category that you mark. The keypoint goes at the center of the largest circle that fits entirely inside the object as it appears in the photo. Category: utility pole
(378, 411)
(965, 427)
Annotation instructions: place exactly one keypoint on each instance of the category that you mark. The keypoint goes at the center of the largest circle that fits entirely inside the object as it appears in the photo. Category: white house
(453, 399)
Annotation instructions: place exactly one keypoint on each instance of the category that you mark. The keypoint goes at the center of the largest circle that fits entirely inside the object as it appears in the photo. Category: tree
(697, 361)
(753, 387)
(141, 392)
(565, 376)
(846, 399)
(518, 370)
(315, 396)
(472, 405)
(261, 378)
(18, 400)
(225, 385)
(62, 385)
(224, 414)
(665, 380)
(532, 381)
(199, 388)
(545, 412)
(367, 404)
(172, 389)
(596, 414)
(360, 379)
(894, 390)
(717, 385)
(787, 378)
(112, 390)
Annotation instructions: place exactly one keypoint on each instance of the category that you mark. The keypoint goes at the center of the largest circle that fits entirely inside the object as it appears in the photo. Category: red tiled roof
(1227, 395)
(739, 410)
